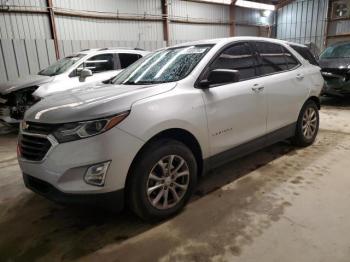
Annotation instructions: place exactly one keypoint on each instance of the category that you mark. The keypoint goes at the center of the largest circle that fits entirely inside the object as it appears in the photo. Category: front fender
(174, 109)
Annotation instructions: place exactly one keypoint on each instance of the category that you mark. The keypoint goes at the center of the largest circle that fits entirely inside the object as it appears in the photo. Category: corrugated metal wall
(20, 57)
(197, 12)
(74, 28)
(303, 21)
(26, 44)
(252, 17)
(213, 13)
(121, 6)
(242, 30)
(25, 26)
(36, 26)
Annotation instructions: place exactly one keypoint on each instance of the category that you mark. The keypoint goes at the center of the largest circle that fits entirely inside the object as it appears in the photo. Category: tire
(308, 120)
(144, 191)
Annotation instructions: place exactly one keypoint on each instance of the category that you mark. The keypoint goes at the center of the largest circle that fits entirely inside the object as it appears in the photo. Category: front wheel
(307, 125)
(162, 180)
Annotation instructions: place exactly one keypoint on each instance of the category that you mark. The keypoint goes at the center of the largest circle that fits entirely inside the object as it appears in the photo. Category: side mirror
(220, 76)
(84, 74)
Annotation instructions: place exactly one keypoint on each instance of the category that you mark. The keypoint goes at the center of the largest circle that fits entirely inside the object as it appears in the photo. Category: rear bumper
(111, 200)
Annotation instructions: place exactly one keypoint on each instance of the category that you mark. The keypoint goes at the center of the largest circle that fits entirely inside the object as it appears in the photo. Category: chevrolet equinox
(144, 137)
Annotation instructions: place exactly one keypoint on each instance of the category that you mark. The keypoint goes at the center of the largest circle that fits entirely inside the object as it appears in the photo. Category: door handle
(300, 76)
(257, 89)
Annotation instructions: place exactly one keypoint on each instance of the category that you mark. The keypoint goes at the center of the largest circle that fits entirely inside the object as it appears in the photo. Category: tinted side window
(291, 60)
(237, 57)
(305, 53)
(100, 63)
(272, 58)
(128, 59)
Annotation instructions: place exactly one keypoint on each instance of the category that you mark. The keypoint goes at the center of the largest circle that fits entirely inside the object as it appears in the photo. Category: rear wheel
(307, 125)
(162, 180)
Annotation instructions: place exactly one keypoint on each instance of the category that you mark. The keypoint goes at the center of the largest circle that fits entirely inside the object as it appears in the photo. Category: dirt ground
(278, 204)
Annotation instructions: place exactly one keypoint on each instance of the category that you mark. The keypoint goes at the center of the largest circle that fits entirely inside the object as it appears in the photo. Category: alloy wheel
(168, 182)
(309, 123)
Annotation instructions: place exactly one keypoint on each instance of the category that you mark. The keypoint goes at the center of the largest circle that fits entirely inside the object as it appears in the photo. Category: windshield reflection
(164, 66)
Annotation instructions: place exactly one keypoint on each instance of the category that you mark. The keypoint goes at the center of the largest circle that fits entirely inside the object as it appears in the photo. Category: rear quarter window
(272, 58)
(305, 53)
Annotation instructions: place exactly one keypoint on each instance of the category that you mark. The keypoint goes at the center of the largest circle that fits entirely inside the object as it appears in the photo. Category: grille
(39, 128)
(33, 148)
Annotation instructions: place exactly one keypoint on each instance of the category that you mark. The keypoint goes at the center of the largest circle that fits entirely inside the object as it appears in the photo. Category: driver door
(236, 112)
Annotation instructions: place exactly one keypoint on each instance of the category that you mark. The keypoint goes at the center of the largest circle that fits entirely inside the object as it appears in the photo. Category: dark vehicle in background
(335, 64)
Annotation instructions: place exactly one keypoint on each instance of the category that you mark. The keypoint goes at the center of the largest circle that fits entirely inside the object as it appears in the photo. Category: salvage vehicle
(87, 66)
(145, 137)
(335, 64)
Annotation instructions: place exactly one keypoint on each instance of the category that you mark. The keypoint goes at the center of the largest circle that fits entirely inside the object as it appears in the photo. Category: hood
(91, 102)
(335, 63)
(23, 82)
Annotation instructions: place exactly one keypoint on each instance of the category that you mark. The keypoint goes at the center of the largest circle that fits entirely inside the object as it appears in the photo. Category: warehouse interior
(280, 203)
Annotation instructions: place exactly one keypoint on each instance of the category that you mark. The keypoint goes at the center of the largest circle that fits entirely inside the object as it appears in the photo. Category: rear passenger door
(236, 112)
(284, 83)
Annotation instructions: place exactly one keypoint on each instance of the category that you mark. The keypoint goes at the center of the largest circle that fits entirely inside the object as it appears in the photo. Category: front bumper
(114, 200)
(336, 89)
(336, 84)
(65, 165)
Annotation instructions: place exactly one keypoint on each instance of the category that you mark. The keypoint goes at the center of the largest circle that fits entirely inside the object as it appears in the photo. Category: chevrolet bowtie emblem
(25, 125)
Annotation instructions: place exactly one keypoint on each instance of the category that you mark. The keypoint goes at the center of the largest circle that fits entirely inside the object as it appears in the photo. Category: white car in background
(144, 137)
(86, 67)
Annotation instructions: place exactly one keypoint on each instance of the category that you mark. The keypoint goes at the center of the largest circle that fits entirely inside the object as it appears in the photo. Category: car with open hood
(146, 136)
(86, 67)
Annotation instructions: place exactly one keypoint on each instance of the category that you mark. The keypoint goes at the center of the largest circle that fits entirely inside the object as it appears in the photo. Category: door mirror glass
(84, 74)
(220, 76)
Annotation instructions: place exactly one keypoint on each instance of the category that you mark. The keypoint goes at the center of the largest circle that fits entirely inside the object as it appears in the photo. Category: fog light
(96, 174)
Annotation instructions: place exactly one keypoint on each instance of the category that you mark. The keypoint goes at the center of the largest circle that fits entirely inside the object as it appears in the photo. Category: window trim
(217, 54)
(115, 63)
(279, 72)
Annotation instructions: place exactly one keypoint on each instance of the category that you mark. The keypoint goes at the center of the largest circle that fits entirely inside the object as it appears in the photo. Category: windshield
(61, 66)
(337, 51)
(164, 66)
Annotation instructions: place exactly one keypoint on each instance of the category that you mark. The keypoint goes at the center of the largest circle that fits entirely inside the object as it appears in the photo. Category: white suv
(86, 67)
(145, 138)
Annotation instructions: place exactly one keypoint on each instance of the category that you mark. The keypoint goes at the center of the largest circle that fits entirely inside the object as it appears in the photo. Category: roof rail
(125, 48)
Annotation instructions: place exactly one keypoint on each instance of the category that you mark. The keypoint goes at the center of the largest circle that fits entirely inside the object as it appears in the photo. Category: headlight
(74, 131)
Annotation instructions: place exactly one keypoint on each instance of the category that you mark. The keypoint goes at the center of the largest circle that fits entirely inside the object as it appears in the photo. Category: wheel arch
(177, 134)
(316, 100)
